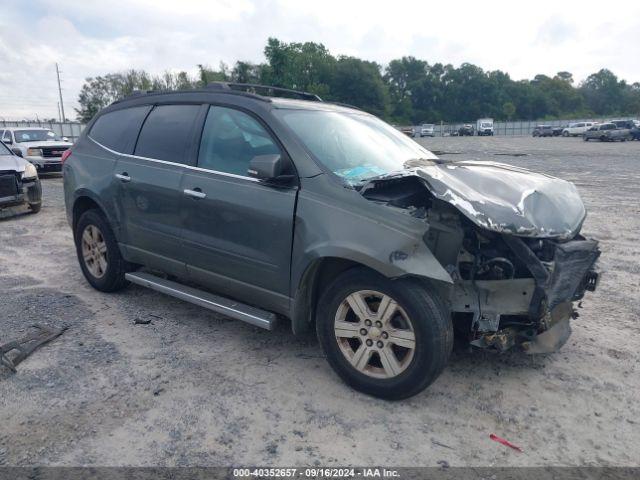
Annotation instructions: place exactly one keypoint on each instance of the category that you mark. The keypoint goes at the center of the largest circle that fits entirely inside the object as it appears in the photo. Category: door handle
(195, 193)
(123, 177)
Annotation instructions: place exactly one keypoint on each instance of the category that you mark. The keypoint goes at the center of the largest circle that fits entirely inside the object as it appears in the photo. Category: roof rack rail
(348, 105)
(254, 87)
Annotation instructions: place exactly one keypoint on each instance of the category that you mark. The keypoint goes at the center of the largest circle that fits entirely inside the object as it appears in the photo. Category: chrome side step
(230, 308)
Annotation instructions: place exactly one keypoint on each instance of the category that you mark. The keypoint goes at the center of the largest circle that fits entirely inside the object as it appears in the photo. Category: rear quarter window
(167, 133)
(118, 130)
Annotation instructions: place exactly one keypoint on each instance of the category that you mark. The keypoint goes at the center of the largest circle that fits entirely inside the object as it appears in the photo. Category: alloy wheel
(375, 334)
(94, 251)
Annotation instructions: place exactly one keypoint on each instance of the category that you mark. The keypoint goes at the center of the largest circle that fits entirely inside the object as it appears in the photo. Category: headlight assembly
(34, 152)
(30, 172)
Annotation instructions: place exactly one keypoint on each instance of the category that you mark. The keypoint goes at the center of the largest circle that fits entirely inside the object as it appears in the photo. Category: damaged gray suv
(261, 207)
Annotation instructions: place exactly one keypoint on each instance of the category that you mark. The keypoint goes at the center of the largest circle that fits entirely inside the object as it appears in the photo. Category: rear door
(149, 197)
(238, 231)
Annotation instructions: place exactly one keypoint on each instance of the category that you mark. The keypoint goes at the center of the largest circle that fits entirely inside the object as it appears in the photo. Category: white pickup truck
(40, 146)
(577, 129)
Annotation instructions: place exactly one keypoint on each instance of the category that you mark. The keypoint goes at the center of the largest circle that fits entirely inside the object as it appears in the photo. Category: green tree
(603, 93)
(299, 66)
(246, 72)
(359, 83)
(98, 92)
(508, 109)
(404, 78)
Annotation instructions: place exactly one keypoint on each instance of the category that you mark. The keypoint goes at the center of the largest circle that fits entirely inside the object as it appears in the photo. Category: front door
(237, 230)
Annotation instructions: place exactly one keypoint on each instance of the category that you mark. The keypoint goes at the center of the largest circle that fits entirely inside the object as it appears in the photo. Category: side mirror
(268, 168)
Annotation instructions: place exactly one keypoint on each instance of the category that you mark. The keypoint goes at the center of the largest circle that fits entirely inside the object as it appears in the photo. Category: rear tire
(361, 347)
(35, 207)
(98, 253)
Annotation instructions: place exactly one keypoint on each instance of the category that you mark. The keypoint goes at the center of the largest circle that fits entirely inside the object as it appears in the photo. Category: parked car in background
(407, 130)
(19, 182)
(628, 124)
(577, 129)
(40, 146)
(557, 131)
(427, 130)
(542, 131)
(467, 130)
(484, 126)
(366, 237)
(607, 132)
(635, 130)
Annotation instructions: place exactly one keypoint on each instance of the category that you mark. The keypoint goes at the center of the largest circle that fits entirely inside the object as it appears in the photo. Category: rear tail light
(66, 154)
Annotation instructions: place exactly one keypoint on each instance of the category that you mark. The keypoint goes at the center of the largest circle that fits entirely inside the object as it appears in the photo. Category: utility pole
(60, 93)
(59, 114)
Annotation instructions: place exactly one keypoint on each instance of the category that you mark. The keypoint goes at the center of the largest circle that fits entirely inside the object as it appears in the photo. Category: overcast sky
(90, 38)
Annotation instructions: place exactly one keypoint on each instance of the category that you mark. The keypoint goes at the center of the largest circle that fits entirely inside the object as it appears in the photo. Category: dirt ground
(192, 388)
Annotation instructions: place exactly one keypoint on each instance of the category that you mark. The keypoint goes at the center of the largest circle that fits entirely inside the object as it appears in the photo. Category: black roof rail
(254, 87)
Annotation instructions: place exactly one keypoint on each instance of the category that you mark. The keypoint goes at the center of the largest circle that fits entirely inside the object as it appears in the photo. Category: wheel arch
(321, 271)
(84, 201)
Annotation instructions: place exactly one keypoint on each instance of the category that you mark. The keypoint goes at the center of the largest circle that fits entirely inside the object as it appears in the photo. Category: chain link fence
(516, 128)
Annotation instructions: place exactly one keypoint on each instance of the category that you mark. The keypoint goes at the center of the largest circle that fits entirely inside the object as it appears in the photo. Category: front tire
(98, 253)
(35, 207)
(389, 339)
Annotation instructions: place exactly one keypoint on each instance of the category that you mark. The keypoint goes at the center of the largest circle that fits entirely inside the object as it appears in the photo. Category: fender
(347, 228)
(86, 193)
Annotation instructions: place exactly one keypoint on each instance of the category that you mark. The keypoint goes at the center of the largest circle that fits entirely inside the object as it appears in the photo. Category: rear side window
(167, 133)
(230, 139)
(118, 130)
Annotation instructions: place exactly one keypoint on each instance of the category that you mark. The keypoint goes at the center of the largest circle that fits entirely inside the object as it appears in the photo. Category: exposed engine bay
(516, 269)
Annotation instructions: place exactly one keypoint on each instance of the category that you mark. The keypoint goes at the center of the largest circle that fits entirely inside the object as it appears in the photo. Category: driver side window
(230, 139)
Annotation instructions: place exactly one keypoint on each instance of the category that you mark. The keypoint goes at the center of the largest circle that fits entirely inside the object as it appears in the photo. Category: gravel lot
(194, 388)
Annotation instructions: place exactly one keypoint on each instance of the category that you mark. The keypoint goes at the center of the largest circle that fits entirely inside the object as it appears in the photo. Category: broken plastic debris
(27, 345)
(504, 442)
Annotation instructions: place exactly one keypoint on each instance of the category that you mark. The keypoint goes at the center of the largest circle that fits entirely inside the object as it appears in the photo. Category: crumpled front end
(527, 294)
(510, 239)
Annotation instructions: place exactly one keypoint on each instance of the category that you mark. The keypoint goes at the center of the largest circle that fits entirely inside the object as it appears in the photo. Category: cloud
(555, 31)
(93, 38)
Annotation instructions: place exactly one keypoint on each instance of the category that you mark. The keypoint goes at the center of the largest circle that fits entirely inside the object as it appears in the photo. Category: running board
(230, 308)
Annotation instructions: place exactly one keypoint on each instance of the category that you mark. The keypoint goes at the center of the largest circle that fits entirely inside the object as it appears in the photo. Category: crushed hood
(503, 198)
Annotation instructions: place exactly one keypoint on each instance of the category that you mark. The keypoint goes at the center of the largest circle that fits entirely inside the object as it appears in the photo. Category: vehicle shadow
(11, 213)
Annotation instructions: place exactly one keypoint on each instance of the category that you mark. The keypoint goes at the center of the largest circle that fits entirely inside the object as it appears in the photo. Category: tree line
(406, 91)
